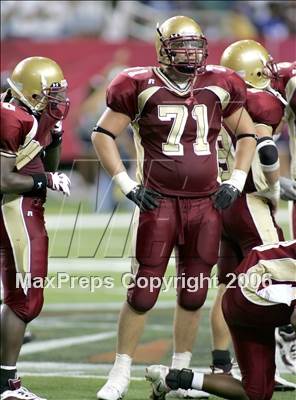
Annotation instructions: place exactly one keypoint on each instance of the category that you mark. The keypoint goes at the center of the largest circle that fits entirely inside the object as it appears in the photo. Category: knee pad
(30, 308)
(143, 294)
(192, 300)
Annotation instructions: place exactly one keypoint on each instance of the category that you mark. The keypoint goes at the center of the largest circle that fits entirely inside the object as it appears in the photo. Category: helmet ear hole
(259, 74)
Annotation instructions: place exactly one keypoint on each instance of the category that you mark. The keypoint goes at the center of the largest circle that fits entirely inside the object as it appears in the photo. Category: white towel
(281, 293)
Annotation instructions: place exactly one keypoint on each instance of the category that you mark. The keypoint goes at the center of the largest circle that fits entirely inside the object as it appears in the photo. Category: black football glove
(225, 196)
(144, 198)
(288, 189)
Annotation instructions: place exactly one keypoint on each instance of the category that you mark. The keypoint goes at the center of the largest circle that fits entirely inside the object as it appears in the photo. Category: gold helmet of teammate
(181, 44)
(39, 83)
(251, 61)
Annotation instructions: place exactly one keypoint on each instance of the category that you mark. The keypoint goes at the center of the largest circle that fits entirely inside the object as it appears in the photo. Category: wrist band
(40, 183)
(238, 179)
(125, 183)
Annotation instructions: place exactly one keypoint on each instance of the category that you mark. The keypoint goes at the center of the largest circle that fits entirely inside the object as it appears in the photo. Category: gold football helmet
(181, 44)
(251, 61)
(39, 83)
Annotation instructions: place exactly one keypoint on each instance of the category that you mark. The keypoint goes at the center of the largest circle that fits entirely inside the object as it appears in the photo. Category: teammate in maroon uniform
(254, 223)
(31, 114)
(176, 113)
(284, 82)
(284, 86)
(262, 298)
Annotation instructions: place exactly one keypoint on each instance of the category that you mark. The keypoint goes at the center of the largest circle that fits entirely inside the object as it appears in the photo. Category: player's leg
(229, 258)
(265, 230)
(254, 225)
(285, 335)
(165, 380)
(22, 228)
(252, 327)
(195, 258)
(153, 240)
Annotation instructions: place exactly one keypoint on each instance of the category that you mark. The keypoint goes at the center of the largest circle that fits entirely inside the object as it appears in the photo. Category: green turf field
(76, 331)
(85, 389)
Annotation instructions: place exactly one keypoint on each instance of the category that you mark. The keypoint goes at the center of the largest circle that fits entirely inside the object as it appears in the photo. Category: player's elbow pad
(268, 154)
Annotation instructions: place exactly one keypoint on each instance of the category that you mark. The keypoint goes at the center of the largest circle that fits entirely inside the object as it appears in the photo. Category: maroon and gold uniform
(285, 84)
(175, 132)
(254, 223)
(24, 241)
(262, 298)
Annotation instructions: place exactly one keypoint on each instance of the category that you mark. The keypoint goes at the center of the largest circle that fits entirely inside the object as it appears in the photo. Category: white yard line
(71, 375)
(89, 265)
(79, 370)
(100, 371)
(46, 345)
(111, 306)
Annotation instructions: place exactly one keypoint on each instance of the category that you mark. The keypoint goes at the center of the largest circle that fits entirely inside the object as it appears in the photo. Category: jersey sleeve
(237, 92)
(13, 129)
(122, 95)
(264, 108)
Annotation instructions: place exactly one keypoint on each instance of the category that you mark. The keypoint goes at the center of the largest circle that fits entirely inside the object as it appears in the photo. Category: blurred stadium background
(90, 232)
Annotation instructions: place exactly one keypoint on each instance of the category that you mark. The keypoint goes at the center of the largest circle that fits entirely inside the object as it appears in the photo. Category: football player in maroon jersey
(283, 85)
(31, 114)
(262, 297)
(175, 111)
(254, 223)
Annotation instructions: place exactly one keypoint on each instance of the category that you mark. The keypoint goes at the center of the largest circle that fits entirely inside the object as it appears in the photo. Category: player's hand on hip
(288, 189)
(58, 181)
(145, 198)
(225, 196)
(229, 191)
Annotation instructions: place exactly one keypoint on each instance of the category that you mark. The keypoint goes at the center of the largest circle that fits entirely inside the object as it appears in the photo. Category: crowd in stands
(115, 20)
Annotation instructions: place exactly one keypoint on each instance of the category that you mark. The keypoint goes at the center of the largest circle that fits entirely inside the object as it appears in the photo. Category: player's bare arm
(105, 146)
(53, 151)
(109, 126)
(52, 158)
(13, 182)
(242, 125)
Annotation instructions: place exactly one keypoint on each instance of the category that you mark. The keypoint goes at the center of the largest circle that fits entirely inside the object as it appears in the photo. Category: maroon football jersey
(286, 85)
(176, 128)
(264, 108)
(265, 266)
(18, 130)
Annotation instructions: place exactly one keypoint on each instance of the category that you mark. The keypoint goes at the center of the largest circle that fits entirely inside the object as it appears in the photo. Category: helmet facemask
(185, 53)
(54, 100)
(271, 70)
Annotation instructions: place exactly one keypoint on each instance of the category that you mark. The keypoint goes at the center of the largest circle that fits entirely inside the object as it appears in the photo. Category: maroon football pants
(190, 226)
(23, 254)
(249, 222)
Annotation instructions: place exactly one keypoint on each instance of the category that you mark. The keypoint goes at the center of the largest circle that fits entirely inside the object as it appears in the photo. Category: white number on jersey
(179, 115)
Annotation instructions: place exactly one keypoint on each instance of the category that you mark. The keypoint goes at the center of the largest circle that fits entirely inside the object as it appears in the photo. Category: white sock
(197, 381)
(122, 363)
(181, 360)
